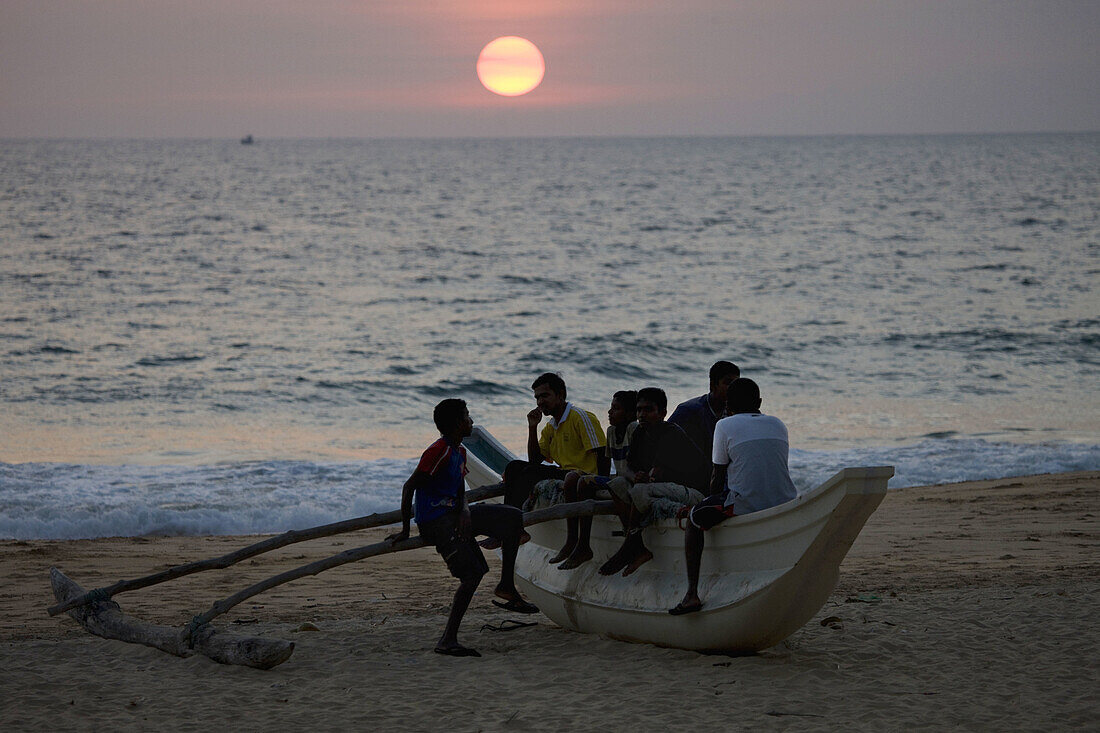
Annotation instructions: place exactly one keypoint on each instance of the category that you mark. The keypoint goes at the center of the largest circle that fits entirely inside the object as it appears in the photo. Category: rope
(508, 625)
(193, 627)
(98, 595)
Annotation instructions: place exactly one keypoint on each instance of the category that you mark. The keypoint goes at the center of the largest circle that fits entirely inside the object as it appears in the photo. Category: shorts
(520, 478)
(598, 484)
(463, 557)
(619, 487)
(546, 493)
(643, 495)
(710, 512)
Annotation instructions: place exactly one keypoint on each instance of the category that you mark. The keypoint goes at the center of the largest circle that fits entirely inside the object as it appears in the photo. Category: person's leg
(468, 565)
(624, 555)
(517, 483)
(569, 492)
(641, 553)
(587, 490)
(620, 488)
(520, 478)
(448, 643)
(640, 500)
(632, 543)
(693, 557)
(504, 523)
(709, 513)
(582, 550)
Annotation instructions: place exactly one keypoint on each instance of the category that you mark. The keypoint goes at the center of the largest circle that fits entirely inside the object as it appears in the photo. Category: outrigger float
(763, 575)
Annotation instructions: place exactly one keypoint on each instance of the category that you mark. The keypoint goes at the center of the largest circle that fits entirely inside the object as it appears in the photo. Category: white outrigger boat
(763, 575)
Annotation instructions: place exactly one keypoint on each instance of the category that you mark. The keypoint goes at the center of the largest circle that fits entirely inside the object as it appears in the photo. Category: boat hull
(762, 577)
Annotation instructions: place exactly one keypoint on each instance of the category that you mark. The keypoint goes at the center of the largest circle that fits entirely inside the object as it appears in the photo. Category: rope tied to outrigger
(97, 595)
(193, 626)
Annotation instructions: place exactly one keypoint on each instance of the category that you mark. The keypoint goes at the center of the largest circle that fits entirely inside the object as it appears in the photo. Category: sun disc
(510, 66)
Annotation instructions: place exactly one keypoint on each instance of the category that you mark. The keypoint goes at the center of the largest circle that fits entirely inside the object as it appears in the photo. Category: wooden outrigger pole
(101, 616)
(272, 543)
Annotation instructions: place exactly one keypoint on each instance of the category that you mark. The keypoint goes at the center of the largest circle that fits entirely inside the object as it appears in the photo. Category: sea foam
(69, 501)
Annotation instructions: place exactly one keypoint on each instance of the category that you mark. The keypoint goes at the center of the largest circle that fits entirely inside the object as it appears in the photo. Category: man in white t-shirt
(749, 474)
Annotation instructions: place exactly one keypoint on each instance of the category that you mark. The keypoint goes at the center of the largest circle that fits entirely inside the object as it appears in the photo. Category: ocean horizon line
(235, 137)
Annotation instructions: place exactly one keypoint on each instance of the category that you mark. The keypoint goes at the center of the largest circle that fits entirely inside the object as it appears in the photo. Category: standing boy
(447, 521)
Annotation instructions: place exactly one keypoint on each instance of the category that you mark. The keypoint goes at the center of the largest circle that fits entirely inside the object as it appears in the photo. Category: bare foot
(562, 554)
(576, 559)
(616, 562)
(639, 560)
(507, 593)
(690, 604)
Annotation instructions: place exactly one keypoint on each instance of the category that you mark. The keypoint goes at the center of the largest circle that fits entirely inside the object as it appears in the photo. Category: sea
(205, 337)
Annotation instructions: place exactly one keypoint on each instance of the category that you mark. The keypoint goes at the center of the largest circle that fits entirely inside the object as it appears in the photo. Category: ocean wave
(476, 387)
(947, 460)
(70, 501)
(168, 359)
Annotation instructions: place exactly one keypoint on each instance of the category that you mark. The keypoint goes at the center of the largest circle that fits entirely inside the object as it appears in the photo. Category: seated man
(663, 463)
(447, 521)
(699, 415)
(573, 439)
(750, 474)
(620, 429)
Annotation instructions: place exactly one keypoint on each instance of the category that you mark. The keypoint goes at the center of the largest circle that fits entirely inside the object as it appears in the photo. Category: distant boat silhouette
(247, 140)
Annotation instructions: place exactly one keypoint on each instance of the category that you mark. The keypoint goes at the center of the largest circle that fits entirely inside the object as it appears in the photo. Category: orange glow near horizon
(510, 66)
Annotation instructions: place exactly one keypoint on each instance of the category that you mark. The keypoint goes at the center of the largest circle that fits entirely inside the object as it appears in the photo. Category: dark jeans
(520, 478)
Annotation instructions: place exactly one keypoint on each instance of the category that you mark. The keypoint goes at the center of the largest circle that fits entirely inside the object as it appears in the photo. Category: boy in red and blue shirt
(447, 521)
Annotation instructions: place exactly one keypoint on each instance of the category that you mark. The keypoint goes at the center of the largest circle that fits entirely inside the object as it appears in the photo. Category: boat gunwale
(867, 473)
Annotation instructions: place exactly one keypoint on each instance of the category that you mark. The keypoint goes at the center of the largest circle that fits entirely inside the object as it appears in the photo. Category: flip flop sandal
(457, 651)
(517, 606)
(508, 625)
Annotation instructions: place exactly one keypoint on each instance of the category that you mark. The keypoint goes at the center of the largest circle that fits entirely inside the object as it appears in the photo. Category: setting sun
(510, 66)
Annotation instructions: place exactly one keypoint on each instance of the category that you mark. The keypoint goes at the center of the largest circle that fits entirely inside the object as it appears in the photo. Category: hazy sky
(321, 68)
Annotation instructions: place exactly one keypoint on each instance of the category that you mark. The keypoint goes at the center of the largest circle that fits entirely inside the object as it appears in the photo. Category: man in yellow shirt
(573, 439)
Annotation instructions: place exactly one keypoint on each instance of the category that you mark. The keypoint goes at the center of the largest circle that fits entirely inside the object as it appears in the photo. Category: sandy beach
(967, 606)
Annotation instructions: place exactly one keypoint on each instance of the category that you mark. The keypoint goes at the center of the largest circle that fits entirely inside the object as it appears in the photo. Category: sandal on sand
(517, 605)
(508, 624)
(680, 609)
(457, 651)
